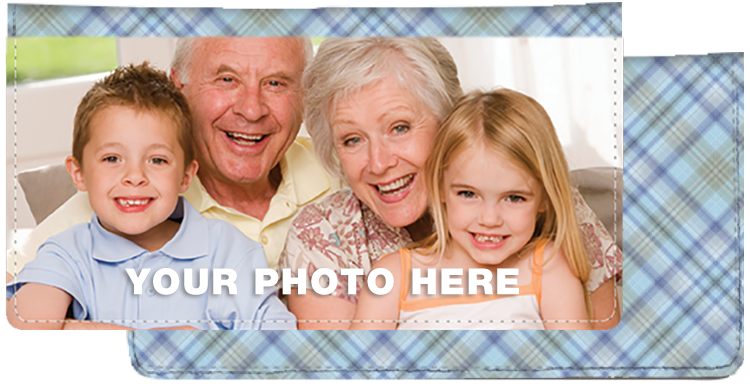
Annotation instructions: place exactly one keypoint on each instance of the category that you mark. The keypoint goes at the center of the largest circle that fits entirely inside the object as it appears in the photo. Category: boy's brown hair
(143, 88)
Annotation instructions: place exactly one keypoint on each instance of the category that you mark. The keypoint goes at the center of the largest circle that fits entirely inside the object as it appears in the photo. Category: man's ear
(76, 173)
(175, 78)
(187, 178)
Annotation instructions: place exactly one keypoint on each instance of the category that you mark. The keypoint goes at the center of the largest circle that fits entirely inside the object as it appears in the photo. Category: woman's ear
(76, 173)
(187, 178)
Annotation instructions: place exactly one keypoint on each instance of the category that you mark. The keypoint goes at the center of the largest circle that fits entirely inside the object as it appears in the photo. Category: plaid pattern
(683, 247)
(683, 211)
(683, 206)
(49, 20)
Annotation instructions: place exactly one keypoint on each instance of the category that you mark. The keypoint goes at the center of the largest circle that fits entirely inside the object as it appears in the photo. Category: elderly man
(245, 95)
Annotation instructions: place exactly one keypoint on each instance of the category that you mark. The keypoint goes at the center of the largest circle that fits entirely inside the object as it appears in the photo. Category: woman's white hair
(185, 47)
(344, 66)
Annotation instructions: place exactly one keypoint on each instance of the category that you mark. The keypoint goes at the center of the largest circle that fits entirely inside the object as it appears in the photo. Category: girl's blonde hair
(516, 127)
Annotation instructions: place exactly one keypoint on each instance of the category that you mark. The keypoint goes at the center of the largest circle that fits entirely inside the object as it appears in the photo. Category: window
(41, 58)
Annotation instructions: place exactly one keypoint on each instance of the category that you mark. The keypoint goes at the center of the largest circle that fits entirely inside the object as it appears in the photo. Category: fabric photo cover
(682, 205)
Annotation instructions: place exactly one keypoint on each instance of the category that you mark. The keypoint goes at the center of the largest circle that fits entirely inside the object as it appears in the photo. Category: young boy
(132, 153)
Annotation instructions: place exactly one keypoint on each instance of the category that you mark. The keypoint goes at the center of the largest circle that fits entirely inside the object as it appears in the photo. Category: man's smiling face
(246, 100)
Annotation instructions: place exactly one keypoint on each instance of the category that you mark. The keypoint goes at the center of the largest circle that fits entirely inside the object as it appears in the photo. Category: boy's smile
(134, 204)
(133, 169)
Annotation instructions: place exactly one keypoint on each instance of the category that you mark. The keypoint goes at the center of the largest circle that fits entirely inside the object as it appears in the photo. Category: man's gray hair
(343, 66)
(185, 47)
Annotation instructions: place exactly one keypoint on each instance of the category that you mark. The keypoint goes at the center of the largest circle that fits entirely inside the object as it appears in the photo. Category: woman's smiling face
(383, 136)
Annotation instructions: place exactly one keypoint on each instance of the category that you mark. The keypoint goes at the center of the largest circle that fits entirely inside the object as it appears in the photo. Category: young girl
(500, 198)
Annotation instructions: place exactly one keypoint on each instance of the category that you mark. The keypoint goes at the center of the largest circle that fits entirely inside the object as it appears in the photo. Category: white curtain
(577, 80)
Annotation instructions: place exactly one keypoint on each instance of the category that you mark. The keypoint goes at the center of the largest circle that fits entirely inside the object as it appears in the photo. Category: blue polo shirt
(89, 263)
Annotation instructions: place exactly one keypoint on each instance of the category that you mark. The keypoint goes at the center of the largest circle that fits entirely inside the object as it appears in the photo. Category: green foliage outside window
(41, 58)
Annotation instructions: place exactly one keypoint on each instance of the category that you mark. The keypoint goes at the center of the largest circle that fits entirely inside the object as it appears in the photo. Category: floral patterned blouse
(342, 232)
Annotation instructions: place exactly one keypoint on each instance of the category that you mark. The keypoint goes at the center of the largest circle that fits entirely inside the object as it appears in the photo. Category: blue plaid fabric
(50, 20)
(683, 246)
(683, 212)
(683, 228)
(683, 268)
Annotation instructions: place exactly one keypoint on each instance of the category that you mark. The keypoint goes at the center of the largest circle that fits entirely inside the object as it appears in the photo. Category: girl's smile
(488, 242)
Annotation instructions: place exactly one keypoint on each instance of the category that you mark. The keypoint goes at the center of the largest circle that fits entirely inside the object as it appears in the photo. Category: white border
(650, 28)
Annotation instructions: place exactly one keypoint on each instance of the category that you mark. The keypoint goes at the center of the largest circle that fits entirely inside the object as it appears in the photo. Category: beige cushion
(597, 187)
(46, 189)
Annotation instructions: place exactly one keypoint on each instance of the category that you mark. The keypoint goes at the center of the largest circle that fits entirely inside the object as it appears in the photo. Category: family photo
(386, 183)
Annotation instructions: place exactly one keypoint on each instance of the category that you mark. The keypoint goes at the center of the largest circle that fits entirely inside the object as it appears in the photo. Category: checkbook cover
(683, 228)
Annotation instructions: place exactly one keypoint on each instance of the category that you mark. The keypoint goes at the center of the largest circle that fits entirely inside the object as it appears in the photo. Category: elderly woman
(373, 106)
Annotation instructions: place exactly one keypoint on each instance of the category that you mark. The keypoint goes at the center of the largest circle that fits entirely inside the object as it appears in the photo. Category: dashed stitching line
(15, 146)
(738, 196)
